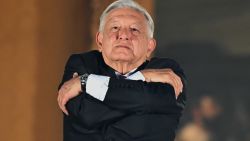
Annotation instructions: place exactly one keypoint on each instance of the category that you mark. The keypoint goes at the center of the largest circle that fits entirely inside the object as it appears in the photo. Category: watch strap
(83, 79)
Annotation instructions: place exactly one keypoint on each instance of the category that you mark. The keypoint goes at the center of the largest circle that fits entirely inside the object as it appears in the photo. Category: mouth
(123, 46)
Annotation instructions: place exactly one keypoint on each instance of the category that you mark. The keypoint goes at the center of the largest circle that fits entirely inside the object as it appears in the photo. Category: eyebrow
(115, 20)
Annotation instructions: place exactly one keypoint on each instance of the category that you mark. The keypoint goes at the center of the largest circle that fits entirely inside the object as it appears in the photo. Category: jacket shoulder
(85, 55)
(158, 63)
(88, 60)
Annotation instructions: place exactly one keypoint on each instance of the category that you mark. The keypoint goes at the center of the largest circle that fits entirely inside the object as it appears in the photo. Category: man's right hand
(164, 76)
(69, 89)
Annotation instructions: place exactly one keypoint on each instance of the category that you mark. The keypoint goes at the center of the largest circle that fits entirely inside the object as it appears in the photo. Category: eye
(135, 30)
(114, 28)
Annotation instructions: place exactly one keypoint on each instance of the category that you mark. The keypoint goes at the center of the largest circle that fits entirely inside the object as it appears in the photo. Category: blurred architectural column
(36, 38)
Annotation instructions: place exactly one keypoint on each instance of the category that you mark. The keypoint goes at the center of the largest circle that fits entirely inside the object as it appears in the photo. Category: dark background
(211, 41)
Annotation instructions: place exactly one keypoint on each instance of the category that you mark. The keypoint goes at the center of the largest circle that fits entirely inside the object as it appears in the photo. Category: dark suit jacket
(131, 111)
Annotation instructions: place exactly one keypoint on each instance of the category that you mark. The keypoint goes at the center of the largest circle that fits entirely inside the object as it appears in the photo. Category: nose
(124, 34)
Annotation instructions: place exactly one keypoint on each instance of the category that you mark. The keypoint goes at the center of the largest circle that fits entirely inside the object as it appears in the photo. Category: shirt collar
(127, 74)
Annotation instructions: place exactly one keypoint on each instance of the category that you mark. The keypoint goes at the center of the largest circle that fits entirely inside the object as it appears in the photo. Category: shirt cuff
(97, 86)
(136, 76)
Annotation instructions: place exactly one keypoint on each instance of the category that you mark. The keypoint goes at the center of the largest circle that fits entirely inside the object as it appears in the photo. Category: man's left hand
(164, 76)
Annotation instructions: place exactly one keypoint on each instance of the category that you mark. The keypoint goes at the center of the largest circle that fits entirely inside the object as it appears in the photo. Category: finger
(61, 103)
(63, 107)
(181, 84)
(176, 94)
(175, 83)
(178, 82)
(172, 77)
(75, 74)
(176, 90)
(59, 99)
(64, 110)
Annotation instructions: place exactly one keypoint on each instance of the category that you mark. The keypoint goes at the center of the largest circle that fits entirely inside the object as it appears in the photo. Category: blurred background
(209, 38)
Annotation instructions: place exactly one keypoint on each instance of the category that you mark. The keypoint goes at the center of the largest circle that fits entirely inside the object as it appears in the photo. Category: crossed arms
(161, 93)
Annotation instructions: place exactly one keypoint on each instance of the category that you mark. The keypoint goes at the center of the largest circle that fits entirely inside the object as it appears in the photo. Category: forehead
(128, 13)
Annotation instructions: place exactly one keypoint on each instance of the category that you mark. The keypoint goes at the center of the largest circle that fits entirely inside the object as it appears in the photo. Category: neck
(122, 67)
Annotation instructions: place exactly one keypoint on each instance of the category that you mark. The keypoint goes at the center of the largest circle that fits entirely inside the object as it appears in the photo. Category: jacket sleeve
(139, 96)
(84, 109)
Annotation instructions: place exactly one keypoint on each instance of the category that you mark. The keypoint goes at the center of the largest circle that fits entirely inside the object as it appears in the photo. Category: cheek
(112, 36)
(108, 44)
(108, 40)
(140, 46)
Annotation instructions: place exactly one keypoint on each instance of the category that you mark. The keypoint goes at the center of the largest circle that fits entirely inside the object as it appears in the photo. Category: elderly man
(117, 93)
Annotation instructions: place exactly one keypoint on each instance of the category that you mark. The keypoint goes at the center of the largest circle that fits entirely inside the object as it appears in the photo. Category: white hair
(127, 4)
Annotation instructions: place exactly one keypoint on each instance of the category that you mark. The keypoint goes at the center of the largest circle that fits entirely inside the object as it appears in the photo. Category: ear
(98, 39)
(151, 47)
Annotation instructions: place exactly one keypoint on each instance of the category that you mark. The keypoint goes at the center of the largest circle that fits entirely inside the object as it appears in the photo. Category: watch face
(84, 78)
(85, 75)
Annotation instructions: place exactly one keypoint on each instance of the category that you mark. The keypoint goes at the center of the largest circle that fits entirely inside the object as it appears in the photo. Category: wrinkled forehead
(133, 14)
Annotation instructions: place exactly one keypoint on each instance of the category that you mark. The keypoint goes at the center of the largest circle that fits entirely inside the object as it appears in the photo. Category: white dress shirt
(97, 85)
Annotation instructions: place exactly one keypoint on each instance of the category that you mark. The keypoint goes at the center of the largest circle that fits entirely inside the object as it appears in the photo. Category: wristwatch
(83, 79)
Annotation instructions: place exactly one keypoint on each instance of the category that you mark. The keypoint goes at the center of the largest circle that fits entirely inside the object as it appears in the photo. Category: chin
(122, 57)
(122, 54)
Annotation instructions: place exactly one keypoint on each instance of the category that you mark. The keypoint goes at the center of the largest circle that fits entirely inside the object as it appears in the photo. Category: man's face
(125, 37)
